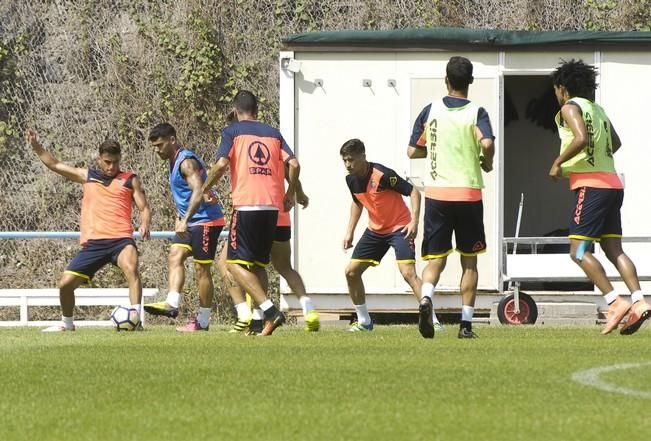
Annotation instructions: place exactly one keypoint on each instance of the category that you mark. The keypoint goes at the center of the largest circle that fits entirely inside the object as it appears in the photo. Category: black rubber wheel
(528, 310)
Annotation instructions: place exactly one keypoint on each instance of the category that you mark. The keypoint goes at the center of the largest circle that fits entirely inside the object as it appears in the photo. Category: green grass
(514, 383)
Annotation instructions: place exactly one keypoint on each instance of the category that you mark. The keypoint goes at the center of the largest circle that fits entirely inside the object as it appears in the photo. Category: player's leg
(471, 241)
(179, 252)
(249, 249)
(81, 269)
(237, 294)
(125, 256)
(436, 246)
(368, 252)
(357, 293)
(203, 240)
(611, 243)
(281, 260)
(67, 285)
(468, 288)
(587, 224)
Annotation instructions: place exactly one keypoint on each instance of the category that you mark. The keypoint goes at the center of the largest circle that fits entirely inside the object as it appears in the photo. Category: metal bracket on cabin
(290, 64)
(367, 83)
(318, 82)
(391, 82)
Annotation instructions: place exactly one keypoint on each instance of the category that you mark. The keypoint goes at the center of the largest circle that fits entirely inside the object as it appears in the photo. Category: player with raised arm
(378, 189)
(588, 142)
(256, 155)
(197, 226)
(455, 136)
(106, 228)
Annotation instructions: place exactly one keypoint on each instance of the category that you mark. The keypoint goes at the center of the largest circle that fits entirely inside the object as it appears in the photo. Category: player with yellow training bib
(588, 142)
(455, 136)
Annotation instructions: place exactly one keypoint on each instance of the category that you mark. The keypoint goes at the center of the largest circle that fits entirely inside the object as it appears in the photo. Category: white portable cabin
(371, 85)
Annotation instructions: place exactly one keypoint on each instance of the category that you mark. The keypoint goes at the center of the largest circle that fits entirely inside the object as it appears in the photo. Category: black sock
(271, 312)
(466, 325)
(256, 325)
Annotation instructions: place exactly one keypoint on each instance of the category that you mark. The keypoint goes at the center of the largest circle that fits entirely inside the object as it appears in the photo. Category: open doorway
(531, 144)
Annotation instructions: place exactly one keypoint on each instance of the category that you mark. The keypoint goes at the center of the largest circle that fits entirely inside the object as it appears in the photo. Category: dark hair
(162, 130)
(246, 102)
(109, 147)
(459, 73)
(352, 147)
(578, 78)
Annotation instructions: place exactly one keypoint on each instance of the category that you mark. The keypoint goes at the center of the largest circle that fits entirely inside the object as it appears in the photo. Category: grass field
(514, 383)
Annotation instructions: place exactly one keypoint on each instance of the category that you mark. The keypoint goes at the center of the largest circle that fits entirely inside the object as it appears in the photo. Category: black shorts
(251, 236)
(465, 219)
(372, 247)
(596, 213)
(282, 234)
(201, 240)
(95, 254)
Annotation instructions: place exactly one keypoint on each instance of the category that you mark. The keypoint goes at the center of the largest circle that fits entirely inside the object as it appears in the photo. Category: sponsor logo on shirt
(259, 155)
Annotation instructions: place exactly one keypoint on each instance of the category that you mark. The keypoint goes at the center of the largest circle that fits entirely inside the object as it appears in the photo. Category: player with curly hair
(588, 142)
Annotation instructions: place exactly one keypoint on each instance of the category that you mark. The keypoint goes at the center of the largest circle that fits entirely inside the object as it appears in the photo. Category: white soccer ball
(125, 318)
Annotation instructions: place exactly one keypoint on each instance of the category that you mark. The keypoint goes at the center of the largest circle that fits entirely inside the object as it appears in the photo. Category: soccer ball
(125, 318)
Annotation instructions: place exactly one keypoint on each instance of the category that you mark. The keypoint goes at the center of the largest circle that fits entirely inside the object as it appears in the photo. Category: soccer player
(106, 229)
(256, 154)
(197, 228)
(455, 136)
(281, 260)
(378, 189)
(588, 141)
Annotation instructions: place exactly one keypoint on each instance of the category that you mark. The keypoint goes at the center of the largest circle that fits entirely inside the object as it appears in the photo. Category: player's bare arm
(301, 197)
(411, 230)
(215, 174)
(572, 117)
(143, 206)
(293, 172)
(416, 152)
(72, 173)
(191, 172)
(355, 213)
(487, 150)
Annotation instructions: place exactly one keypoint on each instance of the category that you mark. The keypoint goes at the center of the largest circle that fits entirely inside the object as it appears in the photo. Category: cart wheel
(528, 310)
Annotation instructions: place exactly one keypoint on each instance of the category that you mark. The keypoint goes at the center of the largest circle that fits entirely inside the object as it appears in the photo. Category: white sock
(67, 322)
(467, 313)
(611, 297)
(204, 316)
(362, 314)
(427, 290)
(636, 296)
(266, 305)
(257, 314)
(243, 311)
(136, 307)
(306, 304)
(173, 299)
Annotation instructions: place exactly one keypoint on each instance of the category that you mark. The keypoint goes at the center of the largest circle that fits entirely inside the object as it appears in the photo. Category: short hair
(352, 147)
(162, 130)
(578, 78)
(459, 73)
(246, 102)
(109, 147)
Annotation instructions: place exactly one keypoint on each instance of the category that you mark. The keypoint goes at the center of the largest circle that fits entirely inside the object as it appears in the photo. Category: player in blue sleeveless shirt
(198, 227)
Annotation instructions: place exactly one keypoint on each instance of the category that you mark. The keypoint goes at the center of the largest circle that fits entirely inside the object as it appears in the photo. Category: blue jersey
(181, 191)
